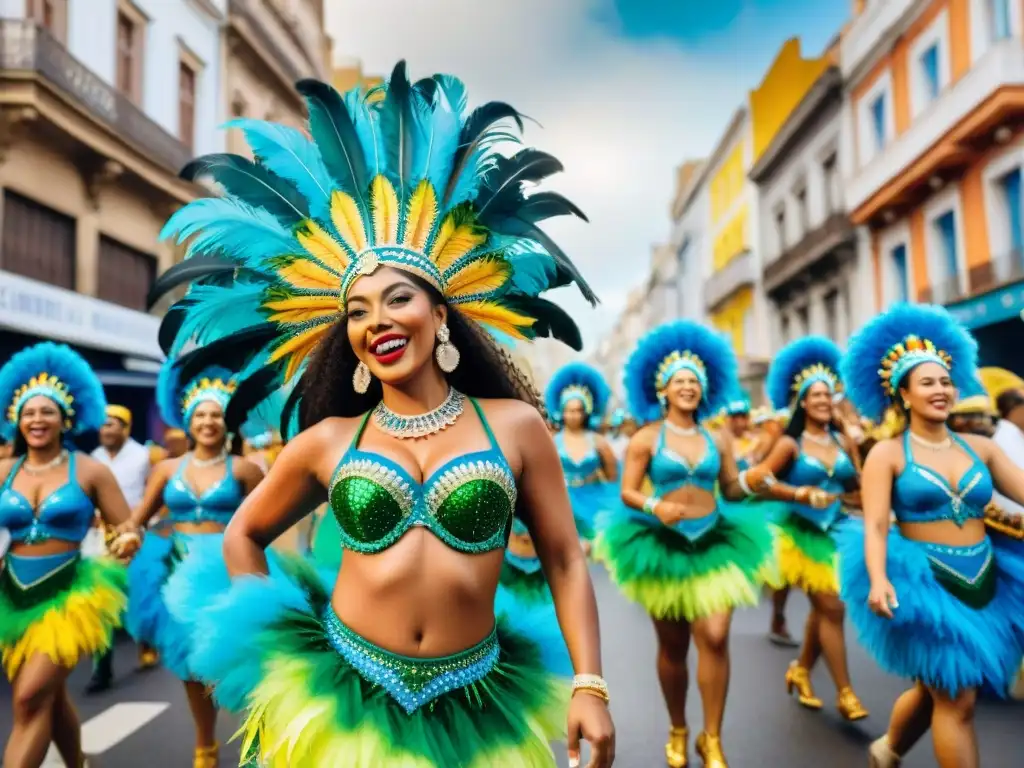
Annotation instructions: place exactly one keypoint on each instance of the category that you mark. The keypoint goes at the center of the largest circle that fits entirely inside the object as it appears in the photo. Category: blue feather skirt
(524, 579)
(590, 503)
(146, 616)
(935, 636)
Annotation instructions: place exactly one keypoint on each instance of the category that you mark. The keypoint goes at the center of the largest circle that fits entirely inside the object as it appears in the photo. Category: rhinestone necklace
(423, 425)
(38, 469)
(931, 445)
(823, 440)
(675, 429)
(203, 463)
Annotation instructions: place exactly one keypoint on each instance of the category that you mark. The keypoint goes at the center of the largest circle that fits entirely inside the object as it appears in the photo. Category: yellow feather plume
(498, 317)
(299, 309)
(347, 221)
(453, 242)
(322, 246)
(304, 273)
(384, 204)
(421, 216)
(299, 346)
(484, 275)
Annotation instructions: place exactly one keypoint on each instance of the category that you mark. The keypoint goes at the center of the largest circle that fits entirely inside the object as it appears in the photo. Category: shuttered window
(38, 242)
(125, 274)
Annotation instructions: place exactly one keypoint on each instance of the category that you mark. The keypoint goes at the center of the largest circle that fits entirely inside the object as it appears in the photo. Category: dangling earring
(361, 378)
(906, 406)
(446, 354)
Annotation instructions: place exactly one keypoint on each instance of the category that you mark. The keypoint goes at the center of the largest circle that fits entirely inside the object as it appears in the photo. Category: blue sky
(625, 90)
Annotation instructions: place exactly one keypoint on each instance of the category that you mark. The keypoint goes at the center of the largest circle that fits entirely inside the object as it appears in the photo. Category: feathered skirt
(61, 606)
(524, 580)
(313, 692)
(148, 572)
(960, 619)
(590, 501)
(694, 570)
(807, 553)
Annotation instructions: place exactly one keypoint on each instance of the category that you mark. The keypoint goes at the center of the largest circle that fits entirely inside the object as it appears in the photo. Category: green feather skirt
(807, 555)
(675, 578)
(527, 585)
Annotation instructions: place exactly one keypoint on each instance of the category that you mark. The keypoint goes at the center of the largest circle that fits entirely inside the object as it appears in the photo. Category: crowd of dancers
(361, 287)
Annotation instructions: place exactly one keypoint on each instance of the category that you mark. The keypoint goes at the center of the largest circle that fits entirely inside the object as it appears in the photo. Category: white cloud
(619, 114)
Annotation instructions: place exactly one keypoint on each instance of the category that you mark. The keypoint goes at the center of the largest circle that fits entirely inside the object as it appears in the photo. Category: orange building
(935, 150)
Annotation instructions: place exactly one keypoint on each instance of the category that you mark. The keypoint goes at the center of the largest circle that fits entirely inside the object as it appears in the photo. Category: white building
(689, 241)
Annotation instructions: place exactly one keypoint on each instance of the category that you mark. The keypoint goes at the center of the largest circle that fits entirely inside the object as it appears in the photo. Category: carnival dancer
(687, 557)
(388, 252)
(55, 607)
(738, 421)
(576, 399)
(814, 471)
(201, 491)
(935, 598)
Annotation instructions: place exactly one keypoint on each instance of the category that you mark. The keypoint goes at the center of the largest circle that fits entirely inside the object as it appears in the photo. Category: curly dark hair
(486, 370)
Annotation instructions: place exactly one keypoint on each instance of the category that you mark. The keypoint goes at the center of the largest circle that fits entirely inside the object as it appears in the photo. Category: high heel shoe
(799, 679)
(675, 750)
(207, 757)
(880, 755)
(849, 706)
(710, 750)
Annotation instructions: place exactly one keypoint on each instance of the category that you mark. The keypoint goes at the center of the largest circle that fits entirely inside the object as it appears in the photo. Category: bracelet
(593, 685)
(742, 480)
(650, 503)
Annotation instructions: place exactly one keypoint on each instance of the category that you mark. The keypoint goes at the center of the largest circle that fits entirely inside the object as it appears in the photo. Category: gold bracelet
(595, 693)
(594, 685)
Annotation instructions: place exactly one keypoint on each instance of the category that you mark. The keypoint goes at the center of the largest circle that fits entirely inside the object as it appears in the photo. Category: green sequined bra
(468, 503)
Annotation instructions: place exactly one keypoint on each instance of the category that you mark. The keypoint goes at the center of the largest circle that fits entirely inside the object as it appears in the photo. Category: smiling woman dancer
(935, 599)
(817, 471)
(201, 491)
(55, 607)
(682, 554)
(576, 398)
(368, 273)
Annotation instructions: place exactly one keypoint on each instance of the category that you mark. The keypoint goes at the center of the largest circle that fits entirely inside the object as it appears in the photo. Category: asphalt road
(143, 721)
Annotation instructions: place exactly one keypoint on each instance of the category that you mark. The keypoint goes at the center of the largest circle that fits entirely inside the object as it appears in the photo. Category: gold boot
(675, 750)
(207, 757)
(710, 750)
(849, 705)
(880, 754)
(148, 658)
(799, 679)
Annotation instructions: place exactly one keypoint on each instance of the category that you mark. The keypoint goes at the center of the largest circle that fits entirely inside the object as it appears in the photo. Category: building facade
(689, 240)
(102, 102)
(933, 125)
(808, 245)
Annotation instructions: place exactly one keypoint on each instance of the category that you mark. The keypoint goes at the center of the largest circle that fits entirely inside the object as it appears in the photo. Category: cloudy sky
(624, 90)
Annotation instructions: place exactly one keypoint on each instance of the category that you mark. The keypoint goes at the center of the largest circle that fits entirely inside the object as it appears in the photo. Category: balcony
(31, 57)
(820, 251)
(875, 27)
(739, 273)
(259, 27)
(944, 139)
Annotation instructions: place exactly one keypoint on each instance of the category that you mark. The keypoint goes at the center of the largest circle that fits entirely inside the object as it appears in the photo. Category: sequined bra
(582, 472)
(468, 502)
(810, 471)
(921, 495)
(669, 471)
(65, 514)
(215, 505)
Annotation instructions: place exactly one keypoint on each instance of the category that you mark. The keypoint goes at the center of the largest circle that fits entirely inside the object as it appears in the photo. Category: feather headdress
(738, 403)
(401, 177)
(892, 344)
(670, 348)
(581, 382)
(58, 372)
(178, 395)
(800, 364)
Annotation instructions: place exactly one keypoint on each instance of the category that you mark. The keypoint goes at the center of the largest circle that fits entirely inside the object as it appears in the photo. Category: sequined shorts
(412, 682)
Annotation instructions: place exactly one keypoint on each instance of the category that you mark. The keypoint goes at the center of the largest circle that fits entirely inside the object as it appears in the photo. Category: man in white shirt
(130, 463)
(1010, 437)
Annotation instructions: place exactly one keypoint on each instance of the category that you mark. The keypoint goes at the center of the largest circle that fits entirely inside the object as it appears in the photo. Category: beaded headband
(907, 354)
(48, 386)
(204, 390)
(812, 375)
(676, 362)
(578, 392)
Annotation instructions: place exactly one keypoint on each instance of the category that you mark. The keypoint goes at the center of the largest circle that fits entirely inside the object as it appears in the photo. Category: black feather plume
(187, 271)
(335, 134)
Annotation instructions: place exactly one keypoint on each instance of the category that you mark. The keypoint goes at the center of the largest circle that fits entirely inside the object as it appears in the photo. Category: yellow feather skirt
(71, 613)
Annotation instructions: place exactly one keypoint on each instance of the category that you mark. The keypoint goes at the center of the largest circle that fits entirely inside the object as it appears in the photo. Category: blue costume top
(583, 471)
(668, 471)
(807, 470)
(65, 514)
(216, 504)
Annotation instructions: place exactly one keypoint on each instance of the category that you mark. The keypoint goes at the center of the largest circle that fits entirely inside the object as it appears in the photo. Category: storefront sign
(35, 308)
(990, 308)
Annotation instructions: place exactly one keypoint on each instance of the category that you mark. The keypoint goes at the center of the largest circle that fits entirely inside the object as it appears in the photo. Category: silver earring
(361, 378)
(446, 354)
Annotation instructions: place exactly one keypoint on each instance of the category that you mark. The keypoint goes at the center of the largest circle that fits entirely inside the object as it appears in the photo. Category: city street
(144, 721)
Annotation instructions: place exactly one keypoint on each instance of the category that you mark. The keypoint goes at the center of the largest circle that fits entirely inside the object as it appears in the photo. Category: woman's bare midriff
(521, 546)
(191, 529)
(43, 548)
(698, 502)
(419, 597)
(946, 532)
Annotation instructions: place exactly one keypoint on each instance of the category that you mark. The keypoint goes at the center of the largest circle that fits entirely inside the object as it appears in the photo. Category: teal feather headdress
(59, 373)
(581, 382)
(800, 364)
(401, 177)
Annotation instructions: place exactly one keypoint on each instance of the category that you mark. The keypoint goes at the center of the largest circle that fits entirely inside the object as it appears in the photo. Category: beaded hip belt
(27, 590)
(953, 567)
(411, 682)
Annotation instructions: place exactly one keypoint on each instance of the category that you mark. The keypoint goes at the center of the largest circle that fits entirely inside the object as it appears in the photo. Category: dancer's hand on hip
(590, 721)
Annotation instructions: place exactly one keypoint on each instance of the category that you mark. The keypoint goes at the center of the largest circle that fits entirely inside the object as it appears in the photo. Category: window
(51, 15)
(800, 195)
(945, 231)
(780, 229)
(829, 170)
(785, 330)
(899, 264)
(804, 318)
(186, 104)
(1009, 186)
(999, 19)
(831, 303)
(878, 120)
(37, 242)
(929, 63)
(130, 33)
(125, 274)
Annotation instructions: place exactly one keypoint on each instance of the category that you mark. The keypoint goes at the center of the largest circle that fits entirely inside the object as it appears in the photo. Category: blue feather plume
(582, 375)
(170, 389)
(90, 403)
(679, 336)
(228, 225)
(795, 357)
(869, 346)
(219, 311)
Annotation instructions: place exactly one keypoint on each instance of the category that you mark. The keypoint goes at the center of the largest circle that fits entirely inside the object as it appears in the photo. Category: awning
(127, 379)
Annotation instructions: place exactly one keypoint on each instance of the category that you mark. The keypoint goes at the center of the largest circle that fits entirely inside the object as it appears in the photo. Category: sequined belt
(27, 581)
(412, 682)
(524, 564)
(967, 573)
(578, 481)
